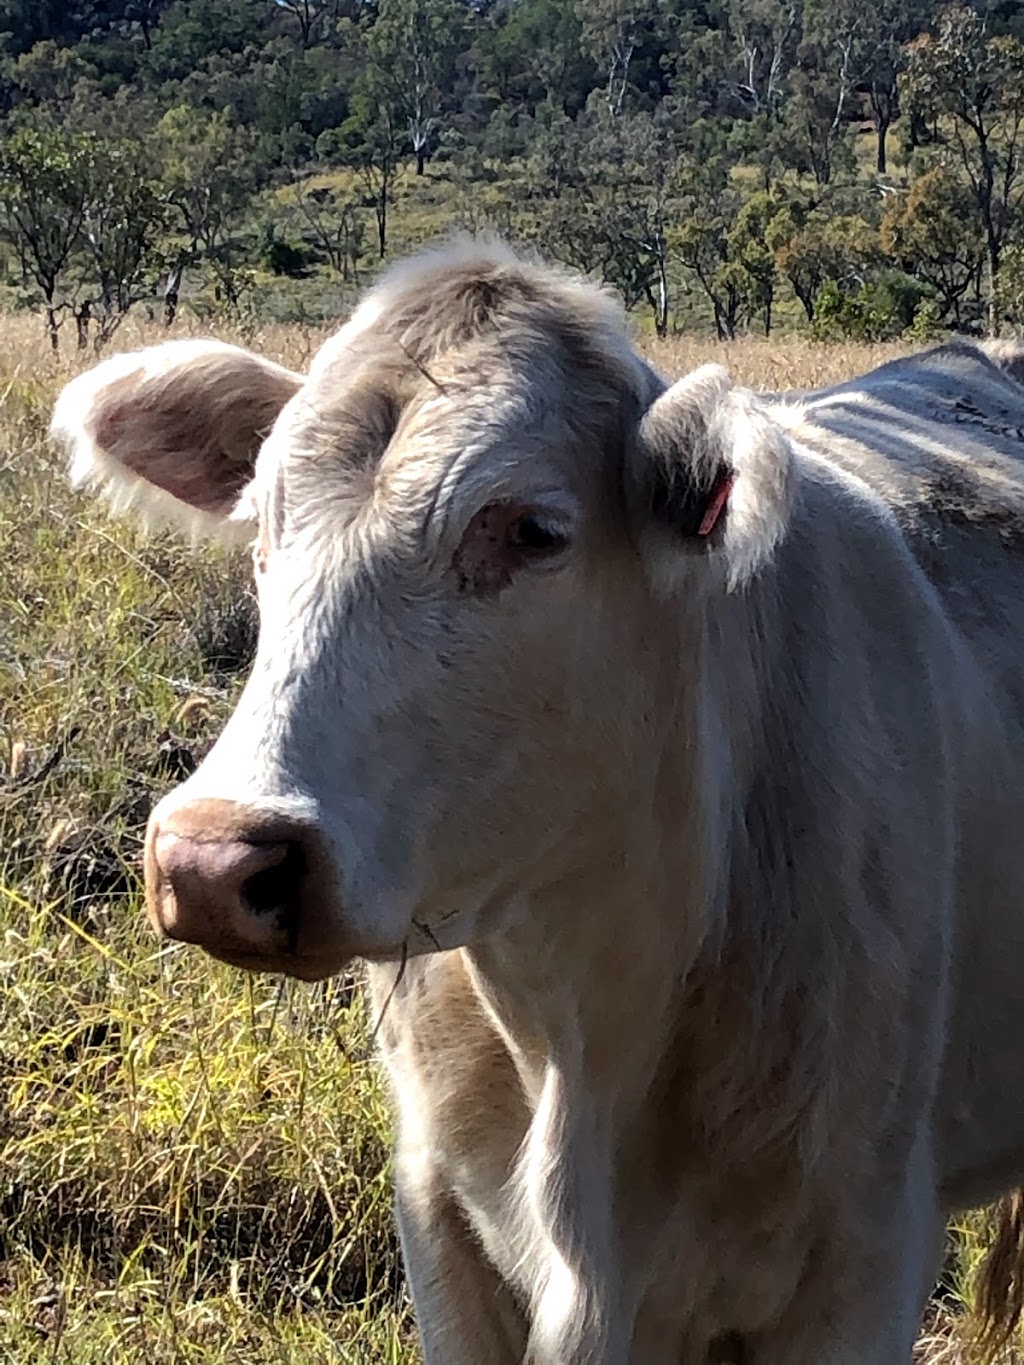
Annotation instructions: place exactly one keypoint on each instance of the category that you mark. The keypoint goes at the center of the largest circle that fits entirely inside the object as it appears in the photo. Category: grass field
(193, 1164)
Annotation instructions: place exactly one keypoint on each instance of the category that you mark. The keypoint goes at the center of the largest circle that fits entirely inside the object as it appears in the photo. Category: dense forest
(854, 167)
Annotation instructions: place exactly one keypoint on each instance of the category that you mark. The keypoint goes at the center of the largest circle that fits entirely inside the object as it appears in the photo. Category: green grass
(193, 1163)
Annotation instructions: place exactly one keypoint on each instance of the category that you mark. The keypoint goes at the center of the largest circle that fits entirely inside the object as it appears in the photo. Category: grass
(193, 1164)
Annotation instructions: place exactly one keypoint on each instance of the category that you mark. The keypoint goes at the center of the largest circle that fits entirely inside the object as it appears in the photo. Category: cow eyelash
(531, 536)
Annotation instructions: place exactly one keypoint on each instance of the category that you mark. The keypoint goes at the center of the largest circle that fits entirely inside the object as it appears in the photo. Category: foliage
(618, 222)
(372, 141)
(975, 83)
(706, 160)
(931, 231)
(335, 226)
(44, 195)
(84, 217)
(752, 265)
(876, 310)
(1009, 298)
(413, 47)
(814, 246)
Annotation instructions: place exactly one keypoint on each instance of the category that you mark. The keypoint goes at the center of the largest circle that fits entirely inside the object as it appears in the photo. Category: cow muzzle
(251, 887)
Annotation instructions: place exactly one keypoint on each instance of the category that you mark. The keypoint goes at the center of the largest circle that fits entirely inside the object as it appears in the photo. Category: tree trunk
(882, 133)
(171, 291)
(993, 289)
(917, 132)
(421, 160)
(83, 317)
(732, 313)
(52, 327)
(661, 312)
(986, 202)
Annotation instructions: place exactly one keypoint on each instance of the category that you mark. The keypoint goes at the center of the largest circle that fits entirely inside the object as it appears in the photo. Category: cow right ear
(709, 478)
(173, 430)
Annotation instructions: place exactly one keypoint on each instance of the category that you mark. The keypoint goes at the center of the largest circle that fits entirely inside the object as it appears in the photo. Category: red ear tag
(715, 506)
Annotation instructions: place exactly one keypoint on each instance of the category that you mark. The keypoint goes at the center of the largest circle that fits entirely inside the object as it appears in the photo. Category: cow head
(481, 529)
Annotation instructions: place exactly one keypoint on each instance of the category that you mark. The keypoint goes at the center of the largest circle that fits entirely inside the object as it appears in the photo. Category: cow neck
(584, 972)
(569, 980)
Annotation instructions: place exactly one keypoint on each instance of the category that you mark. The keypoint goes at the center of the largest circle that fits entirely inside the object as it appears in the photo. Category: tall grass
(193, 1164)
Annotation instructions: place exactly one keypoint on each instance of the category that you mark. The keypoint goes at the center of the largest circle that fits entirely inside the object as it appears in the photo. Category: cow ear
(173, 430)
(710, 476)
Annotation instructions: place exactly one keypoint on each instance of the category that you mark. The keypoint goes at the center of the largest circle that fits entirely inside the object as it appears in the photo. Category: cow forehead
(508, 375)
(382, 425)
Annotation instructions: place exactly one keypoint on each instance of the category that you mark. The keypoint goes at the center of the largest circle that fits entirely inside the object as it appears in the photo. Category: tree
(145, 15)
(751, 261)
(700, 64)
(530, 52)
(884, 307)
(932, 231)
(119, 248)
(830, 67)
(815, 125)
(610, 31)
(193, 30)
(1010, 296)
(615, 218)
(45, 187)
(815, 247)
(84, 217)
(371, 141)
(309, 14)
(412, 47)
(866, 47)
(48, 72)
(707, 208)
(890, 26)
(64, 22)
(210, 169)
(336, 225)
(765, 34)
(972, 85)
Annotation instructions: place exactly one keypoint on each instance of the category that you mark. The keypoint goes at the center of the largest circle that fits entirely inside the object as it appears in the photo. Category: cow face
(455, 701)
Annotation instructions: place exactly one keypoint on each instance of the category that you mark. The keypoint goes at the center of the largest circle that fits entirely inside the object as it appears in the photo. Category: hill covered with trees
(852, 168)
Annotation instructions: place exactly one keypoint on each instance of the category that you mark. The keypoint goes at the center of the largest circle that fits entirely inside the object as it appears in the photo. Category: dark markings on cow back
(957, 498)
(960, 396)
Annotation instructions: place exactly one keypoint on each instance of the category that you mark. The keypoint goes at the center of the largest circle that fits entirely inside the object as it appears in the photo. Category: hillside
(851, 171)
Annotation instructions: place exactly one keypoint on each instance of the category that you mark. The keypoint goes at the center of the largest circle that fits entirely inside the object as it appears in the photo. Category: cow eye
(530, 536)
(503, 538)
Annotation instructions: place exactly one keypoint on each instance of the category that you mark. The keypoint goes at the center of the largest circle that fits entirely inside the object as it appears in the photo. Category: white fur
(708, 901)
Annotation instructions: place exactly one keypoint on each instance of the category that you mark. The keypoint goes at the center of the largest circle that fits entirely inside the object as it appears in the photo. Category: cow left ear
(174, 430)
(710, 474)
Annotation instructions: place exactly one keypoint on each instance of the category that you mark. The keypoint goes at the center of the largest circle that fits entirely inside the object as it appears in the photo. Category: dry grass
(192, 1164)
(791, 362)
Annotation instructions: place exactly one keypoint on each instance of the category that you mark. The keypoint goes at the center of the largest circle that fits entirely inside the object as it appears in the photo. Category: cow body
(660, 749)
(939, 439)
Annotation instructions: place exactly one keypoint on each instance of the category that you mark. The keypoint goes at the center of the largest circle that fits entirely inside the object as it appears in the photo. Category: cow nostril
(276, 890)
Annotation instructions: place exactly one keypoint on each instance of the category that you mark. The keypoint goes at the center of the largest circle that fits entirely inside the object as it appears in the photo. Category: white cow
(661, 750)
